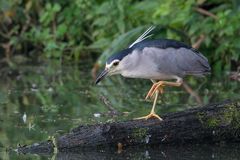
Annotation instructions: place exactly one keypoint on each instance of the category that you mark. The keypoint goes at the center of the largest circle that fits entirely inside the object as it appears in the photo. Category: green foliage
(70, 29)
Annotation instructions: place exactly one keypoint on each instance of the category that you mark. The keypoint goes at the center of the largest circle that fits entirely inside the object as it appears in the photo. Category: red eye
(115, 63)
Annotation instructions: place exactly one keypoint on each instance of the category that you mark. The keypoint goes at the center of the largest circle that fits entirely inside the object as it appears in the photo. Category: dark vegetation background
(71, 31)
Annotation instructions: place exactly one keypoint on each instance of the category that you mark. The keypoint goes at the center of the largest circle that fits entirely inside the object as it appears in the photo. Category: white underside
(153, 76)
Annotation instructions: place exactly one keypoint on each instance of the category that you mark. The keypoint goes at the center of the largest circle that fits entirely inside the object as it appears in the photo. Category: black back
(159, 43)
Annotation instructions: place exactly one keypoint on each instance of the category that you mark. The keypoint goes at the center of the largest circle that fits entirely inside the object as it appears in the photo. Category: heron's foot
(151, 115)
(155, 87)
(159, 88)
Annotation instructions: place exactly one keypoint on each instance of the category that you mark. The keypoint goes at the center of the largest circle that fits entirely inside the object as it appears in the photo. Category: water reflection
(193, 152)
(198, 152)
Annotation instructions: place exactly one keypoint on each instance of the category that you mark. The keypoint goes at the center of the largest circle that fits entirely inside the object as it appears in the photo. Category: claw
(151, 115)
(150, 91)
(158, 88)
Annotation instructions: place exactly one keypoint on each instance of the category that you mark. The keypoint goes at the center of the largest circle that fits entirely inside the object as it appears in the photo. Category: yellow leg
(156, 89)
(152, 114)
(159, 87)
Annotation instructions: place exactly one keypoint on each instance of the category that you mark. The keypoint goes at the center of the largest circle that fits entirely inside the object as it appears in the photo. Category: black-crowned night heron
(158, 60)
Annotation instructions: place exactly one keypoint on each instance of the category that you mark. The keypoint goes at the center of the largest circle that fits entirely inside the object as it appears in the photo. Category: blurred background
(51, 51)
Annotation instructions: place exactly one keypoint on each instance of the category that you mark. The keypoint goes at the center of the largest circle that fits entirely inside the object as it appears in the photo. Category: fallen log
(213, 123)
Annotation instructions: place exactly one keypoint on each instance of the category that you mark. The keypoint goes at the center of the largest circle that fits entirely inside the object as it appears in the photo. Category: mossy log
(213, 123)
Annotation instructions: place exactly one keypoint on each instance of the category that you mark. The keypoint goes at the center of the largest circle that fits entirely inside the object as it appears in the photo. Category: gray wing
(178, 61)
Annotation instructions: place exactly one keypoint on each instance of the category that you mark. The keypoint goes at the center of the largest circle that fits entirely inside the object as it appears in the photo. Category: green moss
(139, 133)
(213, 122)
(201, 116)
(229, 115)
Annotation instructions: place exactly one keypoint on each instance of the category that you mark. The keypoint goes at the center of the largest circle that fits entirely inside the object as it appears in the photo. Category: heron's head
(114, 64)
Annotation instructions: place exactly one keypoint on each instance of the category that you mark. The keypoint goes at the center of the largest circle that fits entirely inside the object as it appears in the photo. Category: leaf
(61, 30)
(56, 7)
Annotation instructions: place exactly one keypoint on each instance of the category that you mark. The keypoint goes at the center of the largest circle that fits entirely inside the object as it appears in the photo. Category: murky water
(37, 102)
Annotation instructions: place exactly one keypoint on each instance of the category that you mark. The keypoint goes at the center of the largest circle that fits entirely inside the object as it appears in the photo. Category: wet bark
(213, 123)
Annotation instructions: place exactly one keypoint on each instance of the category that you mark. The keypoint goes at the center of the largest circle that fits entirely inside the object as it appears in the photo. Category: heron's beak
(101, 76)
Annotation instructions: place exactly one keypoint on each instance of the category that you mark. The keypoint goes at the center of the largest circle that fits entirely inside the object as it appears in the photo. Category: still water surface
(37, 102)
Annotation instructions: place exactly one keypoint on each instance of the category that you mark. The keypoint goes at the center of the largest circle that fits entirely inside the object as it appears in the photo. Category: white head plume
(143, 36)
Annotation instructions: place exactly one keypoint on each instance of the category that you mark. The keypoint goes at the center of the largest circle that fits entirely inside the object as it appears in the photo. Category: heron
(165, 62)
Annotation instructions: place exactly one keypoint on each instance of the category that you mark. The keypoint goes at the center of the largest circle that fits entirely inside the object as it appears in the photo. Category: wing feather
(178, 61)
